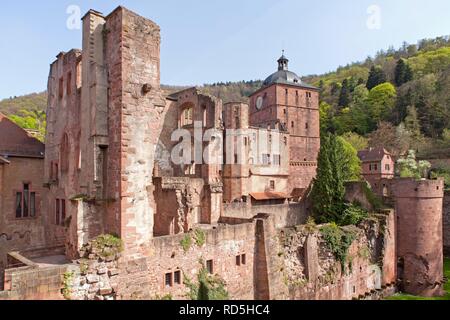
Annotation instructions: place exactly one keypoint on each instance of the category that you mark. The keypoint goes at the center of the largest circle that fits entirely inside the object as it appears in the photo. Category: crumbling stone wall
(20, 234)
(308, 270)
(105, 278)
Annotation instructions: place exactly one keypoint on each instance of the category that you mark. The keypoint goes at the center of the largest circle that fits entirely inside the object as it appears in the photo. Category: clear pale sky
(206, 41)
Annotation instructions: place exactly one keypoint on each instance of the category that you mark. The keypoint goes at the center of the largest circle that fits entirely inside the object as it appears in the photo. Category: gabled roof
(16, 142)
(375, 154)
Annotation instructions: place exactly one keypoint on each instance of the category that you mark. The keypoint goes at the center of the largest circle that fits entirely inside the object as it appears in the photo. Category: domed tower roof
(284, 76)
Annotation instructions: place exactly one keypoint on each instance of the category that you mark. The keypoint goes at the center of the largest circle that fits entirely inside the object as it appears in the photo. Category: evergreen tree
(376, 77)
(344, 97)
(328, 190)
(403, 73)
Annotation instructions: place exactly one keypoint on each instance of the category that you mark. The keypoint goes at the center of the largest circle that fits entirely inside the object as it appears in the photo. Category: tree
(344, 97)
(325, 116)
(412, 124)
(352, 163)
(381, 101)
(376, 77)
(328, 190)
(409, 168)
(394, 139)
(358, 142)
(403, 73)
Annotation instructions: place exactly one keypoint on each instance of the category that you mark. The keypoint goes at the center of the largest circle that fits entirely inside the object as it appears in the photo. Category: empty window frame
(25, 204)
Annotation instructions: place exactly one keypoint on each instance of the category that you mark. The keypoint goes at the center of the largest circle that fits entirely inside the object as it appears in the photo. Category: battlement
(412, 188)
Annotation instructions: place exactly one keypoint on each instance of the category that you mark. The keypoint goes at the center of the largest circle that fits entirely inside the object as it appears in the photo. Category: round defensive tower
(419, 235)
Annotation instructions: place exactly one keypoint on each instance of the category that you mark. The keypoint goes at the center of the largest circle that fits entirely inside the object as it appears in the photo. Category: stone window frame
(168, 280)
(277, 160)
(210, 266)
(60, 212)
(61, 88)
(69, 83)
(64, 153)
(187, 115)
(32, 193)
(272, 185)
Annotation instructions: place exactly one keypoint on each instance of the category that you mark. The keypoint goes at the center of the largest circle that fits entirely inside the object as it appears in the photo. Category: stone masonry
(122, 220)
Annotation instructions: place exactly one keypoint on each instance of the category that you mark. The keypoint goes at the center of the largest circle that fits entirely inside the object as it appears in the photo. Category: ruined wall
(304, 268)
(284, 215)
(446, 224)
(102, 278)
(419, 235)
(19, 234)
(179, 205)
(136, 107)
(25, 279)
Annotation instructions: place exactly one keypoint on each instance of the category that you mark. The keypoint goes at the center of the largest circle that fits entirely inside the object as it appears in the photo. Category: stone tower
(236, 170)
(419, 235)
(287, 101)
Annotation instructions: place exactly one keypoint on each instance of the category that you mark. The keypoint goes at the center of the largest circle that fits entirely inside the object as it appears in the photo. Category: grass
(446, 288)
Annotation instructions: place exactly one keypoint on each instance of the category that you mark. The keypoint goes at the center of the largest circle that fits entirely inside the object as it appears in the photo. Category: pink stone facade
(108, 169)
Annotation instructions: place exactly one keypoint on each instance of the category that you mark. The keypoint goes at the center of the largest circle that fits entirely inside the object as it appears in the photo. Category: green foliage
(431, 61)
(358, 142)
(352, 163)
(31, 120)
(410, 168)
(167, 297)
(67, 284)
(311, 225)
(376, 77)
(338, 241)
(186, 242)
(374, 200)
(338, 163)
(207, 287)
(381, 101)
(328, 190)
(403, 73)
(442, 171)
(344, 97)
(200, 237)
(84, 267)
(107, 245)
(353, 214)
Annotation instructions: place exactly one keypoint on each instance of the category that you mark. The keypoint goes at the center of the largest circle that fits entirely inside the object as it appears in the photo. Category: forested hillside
(399, 99)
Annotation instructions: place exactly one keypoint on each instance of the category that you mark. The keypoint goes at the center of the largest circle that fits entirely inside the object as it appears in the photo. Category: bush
(352, 215)
(338, 241)
(208, 287)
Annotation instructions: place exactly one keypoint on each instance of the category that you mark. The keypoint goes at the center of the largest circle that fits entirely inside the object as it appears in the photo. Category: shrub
(338, 241)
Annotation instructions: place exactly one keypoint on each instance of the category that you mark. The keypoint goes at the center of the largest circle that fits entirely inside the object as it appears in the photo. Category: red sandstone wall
(146, 278)
(446, 223)
(303, 268)
(419, 234)
(33, 284)
(19, 234)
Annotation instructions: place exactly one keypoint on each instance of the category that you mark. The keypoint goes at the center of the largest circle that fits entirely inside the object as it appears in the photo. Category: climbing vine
(338, 241)
(207, 287)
